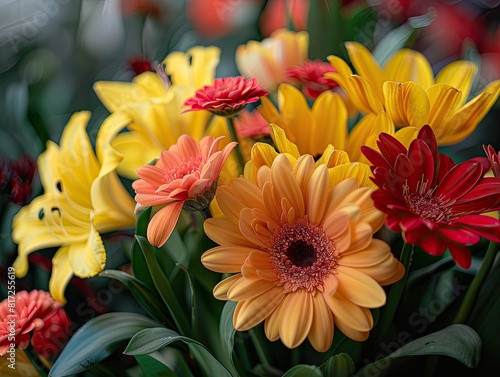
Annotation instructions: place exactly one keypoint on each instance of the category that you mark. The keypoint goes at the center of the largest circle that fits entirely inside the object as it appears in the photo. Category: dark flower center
(301, 254)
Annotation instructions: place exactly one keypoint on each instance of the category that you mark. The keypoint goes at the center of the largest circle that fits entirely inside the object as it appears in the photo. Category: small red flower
(227, 96)
(494, 158)
(138, 65)
(16, 178)
(432, 201)
(23, 313)
(310, 76)
(53, 336)
(251, 124)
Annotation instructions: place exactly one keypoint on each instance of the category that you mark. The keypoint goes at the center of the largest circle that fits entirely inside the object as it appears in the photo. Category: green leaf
(340, 365)
(396, 39)
(152, 367)
(139, 265)
(226, 333)
(459, 341)
(96, 340)
(150, 300)
(303, 370)
(151, 340)
(163, 286)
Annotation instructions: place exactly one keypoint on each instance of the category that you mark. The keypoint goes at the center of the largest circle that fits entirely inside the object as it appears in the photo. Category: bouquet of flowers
(303, 217)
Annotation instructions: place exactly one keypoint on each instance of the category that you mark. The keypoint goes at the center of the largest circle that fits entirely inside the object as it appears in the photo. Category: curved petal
(321, 332)
(250, 313)
(330, 113)
(296, 318)
(460, 75)
(409, 65)
(359, 288)
(406, 103)
(225, 259)
(163, 223)
(349, 314)
(61, 274)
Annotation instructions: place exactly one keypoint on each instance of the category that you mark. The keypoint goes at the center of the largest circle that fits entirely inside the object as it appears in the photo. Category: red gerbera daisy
(310, 76)
(430, 200)
(227, 96)
(494, 158)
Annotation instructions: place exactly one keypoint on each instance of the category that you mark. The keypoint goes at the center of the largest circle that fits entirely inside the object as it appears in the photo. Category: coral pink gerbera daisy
(227, 96)
(21, 314)
(185, 176)
(430, 200)
(310, 75)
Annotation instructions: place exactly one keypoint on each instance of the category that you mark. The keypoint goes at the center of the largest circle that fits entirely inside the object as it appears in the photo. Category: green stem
(395, 293)
(234, 137)
(477, 282)
(257, 343)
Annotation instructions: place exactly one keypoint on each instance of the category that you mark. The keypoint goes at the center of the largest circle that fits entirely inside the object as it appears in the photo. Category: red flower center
(302, 255)
(427, 206)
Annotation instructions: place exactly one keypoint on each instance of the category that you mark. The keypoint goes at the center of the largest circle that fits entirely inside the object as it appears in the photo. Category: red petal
(444, 165)
(432, 244)
(459, 180)
(485, 226)
(460, 235)
(427, 136)
(423, 163)
(390, 147)
(375, 157)
(461, 255)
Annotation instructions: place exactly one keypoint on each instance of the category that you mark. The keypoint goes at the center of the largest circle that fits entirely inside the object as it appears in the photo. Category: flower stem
(234, 137)
(477, 282)
(395, 293)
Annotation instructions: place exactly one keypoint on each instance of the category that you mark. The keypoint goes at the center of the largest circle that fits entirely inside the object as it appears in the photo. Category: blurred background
(53, 51)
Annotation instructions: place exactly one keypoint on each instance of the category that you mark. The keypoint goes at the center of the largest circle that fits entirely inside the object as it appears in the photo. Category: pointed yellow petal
(460, 75)
(286, 186)
(444, 100)
(368, 98)
(204, 61)
(406, 135)
(250, 313)
(61, 274)
(281, 141)
(297, 317)
(406, 103)
(264, 154)
(330, 113)
(366, 66)
(359, 288)
(409, 65)
(466, 119)
(270, 112)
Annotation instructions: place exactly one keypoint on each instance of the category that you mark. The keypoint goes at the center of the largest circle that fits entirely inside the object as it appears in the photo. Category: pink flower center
(189, 166)
(427, 206)
(302, 255)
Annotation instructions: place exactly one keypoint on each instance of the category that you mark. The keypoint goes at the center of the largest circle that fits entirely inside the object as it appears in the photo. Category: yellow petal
(368, 99)
(225, 259)
(406, 135)
(61, 274)
(349, 314)
(204, 61)
(466, 119)
(460, 75)
(444, 100)
(264, 154)
(359, 288)
(286, 186)
(316, 198)
(357, 170)
(330, 113)
(409, 65)
(270, 112)
(87, 259)
(220, 290)
(406, 103)
(281, 141)
(366, 132)
(321, 333)
(250, 313)
(297, 317)
(366, 66)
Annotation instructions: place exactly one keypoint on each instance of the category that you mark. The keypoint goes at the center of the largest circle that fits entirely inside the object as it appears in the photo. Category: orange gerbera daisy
(303, 252)
(185, 176)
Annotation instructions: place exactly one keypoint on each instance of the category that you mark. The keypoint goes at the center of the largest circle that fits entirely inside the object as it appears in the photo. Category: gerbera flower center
(302, 255)
(190, 166)
(427, 206)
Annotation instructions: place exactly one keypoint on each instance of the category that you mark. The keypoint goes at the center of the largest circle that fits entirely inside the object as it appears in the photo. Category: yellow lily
(407, 90)
(312, 129)
(154, 106)
(82, 198)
